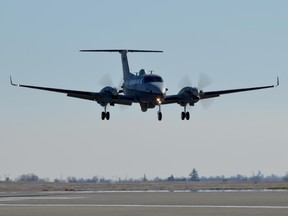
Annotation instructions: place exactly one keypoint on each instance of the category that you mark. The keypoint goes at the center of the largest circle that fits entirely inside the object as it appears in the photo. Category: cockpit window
(152, 79)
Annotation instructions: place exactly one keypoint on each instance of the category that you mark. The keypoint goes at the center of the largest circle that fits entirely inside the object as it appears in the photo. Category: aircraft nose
(157, 89)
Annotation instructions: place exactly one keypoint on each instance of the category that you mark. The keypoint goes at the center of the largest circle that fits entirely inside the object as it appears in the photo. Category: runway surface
(144, 203)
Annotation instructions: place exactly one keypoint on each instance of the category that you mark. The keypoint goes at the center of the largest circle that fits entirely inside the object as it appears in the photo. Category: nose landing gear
(159, 114)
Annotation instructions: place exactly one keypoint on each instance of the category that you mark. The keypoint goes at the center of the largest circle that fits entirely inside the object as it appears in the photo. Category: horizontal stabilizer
(121, 50)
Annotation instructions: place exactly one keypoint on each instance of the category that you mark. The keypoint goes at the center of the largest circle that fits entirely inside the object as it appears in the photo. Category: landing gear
(159, 114)
(185, 115)
(105, 115)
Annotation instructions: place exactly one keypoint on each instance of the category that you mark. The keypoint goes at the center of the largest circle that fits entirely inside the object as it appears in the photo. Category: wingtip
(11, 82)
(278, 83)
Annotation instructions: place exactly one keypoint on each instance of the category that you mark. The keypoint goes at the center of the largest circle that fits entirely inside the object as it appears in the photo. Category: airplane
(146, 89)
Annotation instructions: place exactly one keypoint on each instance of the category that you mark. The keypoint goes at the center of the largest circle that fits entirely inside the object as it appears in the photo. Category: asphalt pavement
(145, 203)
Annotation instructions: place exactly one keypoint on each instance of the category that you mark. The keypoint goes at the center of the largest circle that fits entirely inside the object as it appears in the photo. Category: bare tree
(28, 178)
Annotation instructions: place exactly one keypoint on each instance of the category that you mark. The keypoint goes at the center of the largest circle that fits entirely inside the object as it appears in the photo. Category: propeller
(106, 80)
(207, 103)
(203, 82)
(184, 81)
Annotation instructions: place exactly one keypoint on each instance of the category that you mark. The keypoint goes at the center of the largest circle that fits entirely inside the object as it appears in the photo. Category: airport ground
(145, 203)
(165, 198)
(141, 186)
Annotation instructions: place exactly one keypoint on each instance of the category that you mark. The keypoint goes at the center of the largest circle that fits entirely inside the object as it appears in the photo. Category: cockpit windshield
(152, 79)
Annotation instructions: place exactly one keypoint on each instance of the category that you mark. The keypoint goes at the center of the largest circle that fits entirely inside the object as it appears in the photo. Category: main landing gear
(185, 115)
(105, 115)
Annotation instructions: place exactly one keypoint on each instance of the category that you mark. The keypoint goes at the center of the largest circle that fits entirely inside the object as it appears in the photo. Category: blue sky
(237, 43)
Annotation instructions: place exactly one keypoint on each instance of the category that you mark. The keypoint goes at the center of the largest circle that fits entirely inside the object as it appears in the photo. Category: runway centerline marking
(142, 206)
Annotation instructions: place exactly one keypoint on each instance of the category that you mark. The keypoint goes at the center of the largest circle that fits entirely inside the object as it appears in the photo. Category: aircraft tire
(183, 115)
(107, 115)
(103, 115)
(187, 115)
(159, 116)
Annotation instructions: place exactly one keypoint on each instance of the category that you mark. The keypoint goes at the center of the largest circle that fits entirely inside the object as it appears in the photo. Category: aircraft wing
(169, 99)
(94, 96)
(211, 94)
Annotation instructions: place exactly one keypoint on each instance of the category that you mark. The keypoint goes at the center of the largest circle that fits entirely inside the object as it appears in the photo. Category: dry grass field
(140, 186)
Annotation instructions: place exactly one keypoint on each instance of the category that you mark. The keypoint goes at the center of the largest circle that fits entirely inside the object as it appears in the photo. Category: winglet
(12, 82)
(277, 82)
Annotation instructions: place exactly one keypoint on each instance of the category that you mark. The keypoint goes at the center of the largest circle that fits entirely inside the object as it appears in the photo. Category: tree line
(193, 176)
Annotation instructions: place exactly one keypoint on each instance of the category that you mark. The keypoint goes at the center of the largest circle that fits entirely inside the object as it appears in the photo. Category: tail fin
(125, 66)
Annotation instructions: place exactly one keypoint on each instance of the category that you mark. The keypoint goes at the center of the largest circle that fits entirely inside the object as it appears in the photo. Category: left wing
(210, 94)
(94, 96)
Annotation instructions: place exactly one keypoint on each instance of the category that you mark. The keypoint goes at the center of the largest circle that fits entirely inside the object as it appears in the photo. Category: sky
(236, 43)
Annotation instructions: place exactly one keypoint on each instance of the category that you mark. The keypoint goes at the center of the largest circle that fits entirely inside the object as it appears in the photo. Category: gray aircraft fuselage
(148, 89)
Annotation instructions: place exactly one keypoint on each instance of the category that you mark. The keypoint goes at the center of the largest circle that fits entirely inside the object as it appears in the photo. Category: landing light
(158, 100)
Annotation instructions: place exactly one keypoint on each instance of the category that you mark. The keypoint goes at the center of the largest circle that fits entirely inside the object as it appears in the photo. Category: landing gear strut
(159, 114)
(105, 114)
(185, 115)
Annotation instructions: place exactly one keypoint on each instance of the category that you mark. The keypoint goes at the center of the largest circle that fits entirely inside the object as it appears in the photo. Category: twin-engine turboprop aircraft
(148, 90)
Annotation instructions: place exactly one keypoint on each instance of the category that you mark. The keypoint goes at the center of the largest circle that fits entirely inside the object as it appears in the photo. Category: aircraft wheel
(183, 115)
(107, 115)
(187, 115)
(159, 116)
(103, 115)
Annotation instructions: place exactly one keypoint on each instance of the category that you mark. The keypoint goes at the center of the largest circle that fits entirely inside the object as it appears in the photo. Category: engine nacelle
(189, 95)
(107, 96)
(109, 90)
(189, 91)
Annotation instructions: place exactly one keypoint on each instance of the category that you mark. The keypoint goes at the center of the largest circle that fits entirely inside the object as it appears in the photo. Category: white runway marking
(143, 206)
(5, 199)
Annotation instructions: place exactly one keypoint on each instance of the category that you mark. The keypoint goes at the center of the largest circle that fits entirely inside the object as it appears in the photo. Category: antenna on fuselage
(125, 66)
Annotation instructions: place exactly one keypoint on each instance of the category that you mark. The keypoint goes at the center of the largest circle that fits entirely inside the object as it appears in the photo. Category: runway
(145, 203)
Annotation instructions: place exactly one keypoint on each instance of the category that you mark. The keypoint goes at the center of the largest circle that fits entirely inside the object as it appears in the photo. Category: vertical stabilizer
(125, 65)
